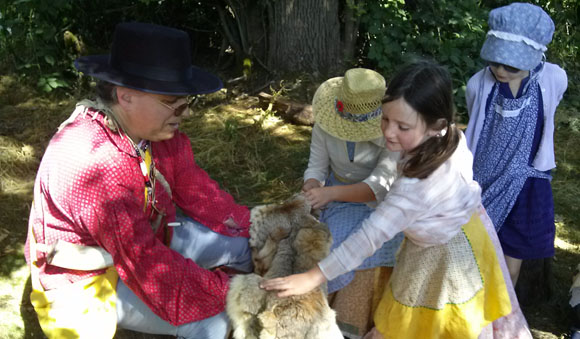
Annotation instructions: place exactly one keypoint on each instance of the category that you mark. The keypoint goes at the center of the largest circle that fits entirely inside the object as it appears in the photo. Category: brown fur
(285, 239)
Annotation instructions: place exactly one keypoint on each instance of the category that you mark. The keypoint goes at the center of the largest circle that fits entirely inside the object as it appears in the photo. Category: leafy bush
(564, 48)
(450, 32)
(30, 39)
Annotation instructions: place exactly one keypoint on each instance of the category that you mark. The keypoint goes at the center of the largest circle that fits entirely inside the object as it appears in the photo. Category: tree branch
(228, 33)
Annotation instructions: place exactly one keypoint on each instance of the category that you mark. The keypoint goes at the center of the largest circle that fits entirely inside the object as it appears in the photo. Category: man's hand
(228, 270)
(295, 284)
(233, 228)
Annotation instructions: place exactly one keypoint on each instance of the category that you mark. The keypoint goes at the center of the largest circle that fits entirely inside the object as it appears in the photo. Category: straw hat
(150, 58)
(518, 35)
(349, 107)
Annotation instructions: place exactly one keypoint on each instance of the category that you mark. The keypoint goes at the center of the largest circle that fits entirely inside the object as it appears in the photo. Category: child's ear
(440, 124)
(435, 129)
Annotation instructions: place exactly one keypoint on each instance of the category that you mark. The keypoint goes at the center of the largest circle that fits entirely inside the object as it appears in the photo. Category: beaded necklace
(147, 173)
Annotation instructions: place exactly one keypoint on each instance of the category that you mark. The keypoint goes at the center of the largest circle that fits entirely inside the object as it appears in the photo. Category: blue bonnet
(517, 36)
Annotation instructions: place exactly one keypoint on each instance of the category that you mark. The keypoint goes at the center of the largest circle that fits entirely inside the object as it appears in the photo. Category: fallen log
(291, 111)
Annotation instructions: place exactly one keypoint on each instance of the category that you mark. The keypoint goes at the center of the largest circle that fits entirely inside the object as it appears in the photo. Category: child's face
(504, 76)
(403, 128)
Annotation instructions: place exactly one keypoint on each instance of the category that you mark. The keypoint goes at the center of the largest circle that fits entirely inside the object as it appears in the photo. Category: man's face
(154, 117)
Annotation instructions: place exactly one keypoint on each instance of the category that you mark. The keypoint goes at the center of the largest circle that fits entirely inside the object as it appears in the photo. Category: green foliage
(564, 48)
(30, 39)
(358, 7)
(50, 82)
(39, 39)
(450, 32)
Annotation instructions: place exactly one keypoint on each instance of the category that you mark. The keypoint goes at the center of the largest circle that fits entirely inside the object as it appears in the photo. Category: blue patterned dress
(517, 197)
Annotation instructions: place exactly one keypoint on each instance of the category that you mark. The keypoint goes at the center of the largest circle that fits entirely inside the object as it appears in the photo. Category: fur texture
(284, 239)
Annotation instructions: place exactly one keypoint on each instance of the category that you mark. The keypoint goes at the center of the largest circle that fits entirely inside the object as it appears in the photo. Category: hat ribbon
(339, 108)
(517, 38)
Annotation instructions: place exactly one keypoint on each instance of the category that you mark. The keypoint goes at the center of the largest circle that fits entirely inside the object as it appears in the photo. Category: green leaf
(454, 59)
(53, 83)
(49, 59)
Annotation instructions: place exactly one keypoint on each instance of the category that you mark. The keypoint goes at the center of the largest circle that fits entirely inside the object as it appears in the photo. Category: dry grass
(253, 153)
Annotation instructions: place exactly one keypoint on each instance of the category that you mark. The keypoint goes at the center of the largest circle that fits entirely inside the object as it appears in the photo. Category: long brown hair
(426, 87)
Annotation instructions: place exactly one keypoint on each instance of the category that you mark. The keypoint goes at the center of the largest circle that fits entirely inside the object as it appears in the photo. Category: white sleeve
(400, 209)
(474, 96)
(319, 160)
(553, 82)
(384, 174)
(470, 96)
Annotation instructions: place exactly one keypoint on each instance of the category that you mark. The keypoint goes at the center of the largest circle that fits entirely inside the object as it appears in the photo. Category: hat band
(339, 108)
(517, 38)
(156, 73)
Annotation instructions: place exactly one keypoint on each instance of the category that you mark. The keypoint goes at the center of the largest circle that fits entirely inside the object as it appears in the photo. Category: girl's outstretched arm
(319, 197)
(295, 284)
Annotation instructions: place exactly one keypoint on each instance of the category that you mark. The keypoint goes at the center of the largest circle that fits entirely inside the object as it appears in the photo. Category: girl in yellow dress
(447, 281)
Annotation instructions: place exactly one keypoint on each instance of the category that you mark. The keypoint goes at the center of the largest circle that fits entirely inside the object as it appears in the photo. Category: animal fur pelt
(284, 239)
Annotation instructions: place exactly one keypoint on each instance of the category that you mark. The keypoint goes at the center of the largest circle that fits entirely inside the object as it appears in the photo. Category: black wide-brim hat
(150, 58)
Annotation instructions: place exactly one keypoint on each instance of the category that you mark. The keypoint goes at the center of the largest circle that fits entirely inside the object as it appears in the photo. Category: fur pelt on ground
(285, 239)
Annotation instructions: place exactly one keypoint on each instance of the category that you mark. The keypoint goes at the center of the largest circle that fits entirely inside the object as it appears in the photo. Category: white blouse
(428, 211)
(373, 163)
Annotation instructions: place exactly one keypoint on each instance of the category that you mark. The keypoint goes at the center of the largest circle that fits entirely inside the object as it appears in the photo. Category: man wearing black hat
(105, 246)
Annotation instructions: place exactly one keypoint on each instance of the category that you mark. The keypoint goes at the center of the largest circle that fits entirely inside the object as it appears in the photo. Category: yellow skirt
(452, 290)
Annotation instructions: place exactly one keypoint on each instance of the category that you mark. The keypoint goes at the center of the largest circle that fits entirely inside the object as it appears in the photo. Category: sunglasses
(179, 110)
(509, 69)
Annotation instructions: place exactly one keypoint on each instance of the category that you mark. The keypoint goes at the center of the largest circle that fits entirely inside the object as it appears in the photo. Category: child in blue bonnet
(511, 105)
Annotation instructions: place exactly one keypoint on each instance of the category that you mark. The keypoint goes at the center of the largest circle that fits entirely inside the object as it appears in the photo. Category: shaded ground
(259, 158)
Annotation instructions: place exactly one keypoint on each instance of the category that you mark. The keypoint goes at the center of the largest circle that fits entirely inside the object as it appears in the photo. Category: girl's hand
(319, 197)
(310, 184)
(295, 284)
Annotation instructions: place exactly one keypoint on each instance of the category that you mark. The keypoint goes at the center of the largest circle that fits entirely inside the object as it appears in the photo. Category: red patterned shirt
(89, 190)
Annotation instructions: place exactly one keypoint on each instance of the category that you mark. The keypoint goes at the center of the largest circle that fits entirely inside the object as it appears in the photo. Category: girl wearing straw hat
(511, 104)
(349, 170)
(448, 281)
